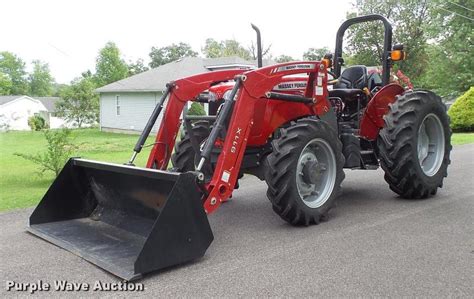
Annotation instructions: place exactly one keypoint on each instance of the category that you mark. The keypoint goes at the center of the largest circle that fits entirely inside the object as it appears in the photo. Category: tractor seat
(347, 94)
(351, 83)
(353, 77)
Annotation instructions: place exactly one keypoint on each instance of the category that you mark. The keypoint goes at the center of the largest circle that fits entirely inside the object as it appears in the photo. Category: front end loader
(295, 125)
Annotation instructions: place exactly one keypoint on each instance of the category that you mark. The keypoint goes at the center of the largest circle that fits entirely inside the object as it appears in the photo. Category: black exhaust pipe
(259, 46)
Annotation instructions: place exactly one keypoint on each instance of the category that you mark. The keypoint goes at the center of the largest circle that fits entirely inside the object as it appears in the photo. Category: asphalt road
(374, 244)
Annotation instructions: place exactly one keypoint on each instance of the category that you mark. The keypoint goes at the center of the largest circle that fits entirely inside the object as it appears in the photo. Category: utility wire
(460, 15)
(461, 6)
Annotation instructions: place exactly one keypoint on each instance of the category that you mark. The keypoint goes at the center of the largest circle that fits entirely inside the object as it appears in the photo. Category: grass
(21, 186)
(462, 138)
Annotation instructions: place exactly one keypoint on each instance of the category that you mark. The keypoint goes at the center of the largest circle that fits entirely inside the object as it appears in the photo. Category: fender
(372, 120)
(331, 118)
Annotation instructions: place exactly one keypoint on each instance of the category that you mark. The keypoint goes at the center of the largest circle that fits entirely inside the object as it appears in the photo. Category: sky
(68, 34)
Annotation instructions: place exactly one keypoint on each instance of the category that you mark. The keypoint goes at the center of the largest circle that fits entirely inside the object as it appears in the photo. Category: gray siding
(135, 109)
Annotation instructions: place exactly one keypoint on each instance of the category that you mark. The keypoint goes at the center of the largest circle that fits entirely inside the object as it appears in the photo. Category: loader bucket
(124, 219)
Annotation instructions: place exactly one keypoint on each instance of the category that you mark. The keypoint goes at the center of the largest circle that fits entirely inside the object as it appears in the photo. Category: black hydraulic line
(288, 97)
(200, 117)
(202, 99)
(192, 138)
(259, 46)
(149, 125)
(220, 124)
(387, 44)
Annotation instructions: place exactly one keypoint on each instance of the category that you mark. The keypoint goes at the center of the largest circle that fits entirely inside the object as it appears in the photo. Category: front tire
(415, 144)
(304, 171)
(184, 158)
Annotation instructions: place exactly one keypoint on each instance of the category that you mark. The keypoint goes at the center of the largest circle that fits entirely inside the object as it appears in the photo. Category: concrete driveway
(375, 244)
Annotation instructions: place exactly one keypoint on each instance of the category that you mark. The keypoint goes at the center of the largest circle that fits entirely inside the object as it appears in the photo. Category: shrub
(59, 149)
(37, 123)
(462, 112)
(196, 109)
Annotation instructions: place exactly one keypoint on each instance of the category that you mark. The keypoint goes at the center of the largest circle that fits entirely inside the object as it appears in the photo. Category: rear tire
(304, 171)
(416, 129)
(184, 157)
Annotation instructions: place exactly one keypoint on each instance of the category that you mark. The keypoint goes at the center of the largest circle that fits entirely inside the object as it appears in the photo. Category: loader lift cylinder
(219, 124)
(149, 125)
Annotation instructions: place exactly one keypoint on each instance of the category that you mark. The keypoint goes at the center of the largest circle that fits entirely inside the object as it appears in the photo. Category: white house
(16, 110)
(126, 105)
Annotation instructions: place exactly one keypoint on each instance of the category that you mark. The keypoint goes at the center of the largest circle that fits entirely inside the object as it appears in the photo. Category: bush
(59, 149)
(196, 109)
(37, 123)
(462, 112)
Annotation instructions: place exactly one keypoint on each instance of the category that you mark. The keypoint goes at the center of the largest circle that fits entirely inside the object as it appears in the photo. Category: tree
(196, 109)
(109, 66)
(284, 58)
(59, 149)
(58, 89)
(315, 54)
(40, 80)
(411, 23)
(137, 67)
(225, 48)
(254, 50)
(87, 74)
(5, 84)
(79, 102)
(449, 71)
(173, 52)
(13, 67)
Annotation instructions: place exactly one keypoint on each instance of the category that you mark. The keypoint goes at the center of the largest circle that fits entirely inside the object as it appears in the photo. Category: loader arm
(182, 91)
(251, 87)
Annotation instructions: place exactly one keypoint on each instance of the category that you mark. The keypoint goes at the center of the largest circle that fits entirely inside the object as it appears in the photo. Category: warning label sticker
(225, 176)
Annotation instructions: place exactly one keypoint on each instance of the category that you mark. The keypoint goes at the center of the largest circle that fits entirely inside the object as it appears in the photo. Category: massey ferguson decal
(301, 66)
(290, 85)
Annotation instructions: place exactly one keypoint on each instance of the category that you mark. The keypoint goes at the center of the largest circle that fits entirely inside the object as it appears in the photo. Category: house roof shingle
(156, 79)
(48, 102)
(6, 99)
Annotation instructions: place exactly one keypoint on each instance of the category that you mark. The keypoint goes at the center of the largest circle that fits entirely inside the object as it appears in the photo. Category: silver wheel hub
(316, 173)
(430, 144)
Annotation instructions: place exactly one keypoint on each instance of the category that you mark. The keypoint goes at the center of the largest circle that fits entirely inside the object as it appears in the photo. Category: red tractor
(288, 124)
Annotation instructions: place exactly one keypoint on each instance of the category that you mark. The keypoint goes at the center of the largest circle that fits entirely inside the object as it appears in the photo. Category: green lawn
(462, 138)
(20, 185)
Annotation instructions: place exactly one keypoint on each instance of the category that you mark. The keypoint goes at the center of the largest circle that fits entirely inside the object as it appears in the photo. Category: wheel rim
(430, 144)
(316, 173)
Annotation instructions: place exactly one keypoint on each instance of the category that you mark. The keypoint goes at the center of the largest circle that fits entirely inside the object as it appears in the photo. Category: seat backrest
(354, 77)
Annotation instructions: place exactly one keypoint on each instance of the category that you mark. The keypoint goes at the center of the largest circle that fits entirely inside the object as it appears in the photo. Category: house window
(117, 105)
